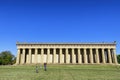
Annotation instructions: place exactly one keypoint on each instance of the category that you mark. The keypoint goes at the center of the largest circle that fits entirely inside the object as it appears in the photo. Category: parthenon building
(66, 53)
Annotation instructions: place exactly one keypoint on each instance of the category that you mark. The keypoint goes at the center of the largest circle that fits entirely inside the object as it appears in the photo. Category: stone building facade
(66, 53)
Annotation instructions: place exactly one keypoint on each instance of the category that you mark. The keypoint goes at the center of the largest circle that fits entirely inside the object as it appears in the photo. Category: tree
(0, 60)
(6, 58)
(118, 58)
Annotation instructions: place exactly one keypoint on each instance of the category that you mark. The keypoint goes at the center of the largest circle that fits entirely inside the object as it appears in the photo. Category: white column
(36, 52)
(85, 56)
(79, 56)
(60, 55)
(23, 57)
(42, 52)
(48, 55)
(91, 56)
(73, 58)
(115, 57)
(103, 56)
(109, 56)
(66, 51)
(30, 56)
(18, 56)
(54, 55)
(97, 56)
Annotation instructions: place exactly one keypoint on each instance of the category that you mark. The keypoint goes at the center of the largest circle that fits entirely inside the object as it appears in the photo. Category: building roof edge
(37, 43)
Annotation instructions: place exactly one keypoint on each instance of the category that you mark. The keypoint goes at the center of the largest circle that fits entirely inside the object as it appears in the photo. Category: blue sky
(58, 21)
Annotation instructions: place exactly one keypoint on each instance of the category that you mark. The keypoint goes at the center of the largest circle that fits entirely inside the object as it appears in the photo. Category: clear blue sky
(58, 21)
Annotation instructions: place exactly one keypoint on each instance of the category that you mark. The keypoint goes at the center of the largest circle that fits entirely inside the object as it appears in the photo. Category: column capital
(108, 48)
(114, 48)
(54, 49)
(83, 48)
(23, 48)
(30, 49)
(48, 48)
(42, 48)
(102, 48)
(36, 48)
(96, 48)
(18, 48)
(78, 48)
(60, 48)
(91, 48)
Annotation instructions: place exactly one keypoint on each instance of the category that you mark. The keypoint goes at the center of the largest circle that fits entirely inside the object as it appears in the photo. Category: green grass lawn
(61, 72)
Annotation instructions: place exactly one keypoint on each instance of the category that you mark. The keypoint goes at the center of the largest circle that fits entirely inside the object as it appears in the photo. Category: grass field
(61, 72)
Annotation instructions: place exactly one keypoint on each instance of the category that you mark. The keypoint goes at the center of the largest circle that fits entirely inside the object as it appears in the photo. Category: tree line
(118, 58)
(7, 58)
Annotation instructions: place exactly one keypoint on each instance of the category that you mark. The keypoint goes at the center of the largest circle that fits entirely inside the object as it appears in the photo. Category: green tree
(118, 58)
(6, 58)
(0, 60)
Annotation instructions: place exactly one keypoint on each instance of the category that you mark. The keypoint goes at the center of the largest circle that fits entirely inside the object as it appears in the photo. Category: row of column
(81, 57)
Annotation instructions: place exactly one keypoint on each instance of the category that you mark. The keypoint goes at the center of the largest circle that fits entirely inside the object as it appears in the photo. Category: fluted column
(54, 55)
(109, 56)
(42, 53)
(30, 56)
(66, 55)
(60, 55)
(18, 56)
(36, 52)
(85, 56)
(97, 56)
(48, 55)
(91, 56)
(79, 56)
(115, 57)
(103, 56)
(73, 58)
(23, 57)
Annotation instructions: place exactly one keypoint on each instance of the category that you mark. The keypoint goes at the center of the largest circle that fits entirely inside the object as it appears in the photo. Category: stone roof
(61, 43)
